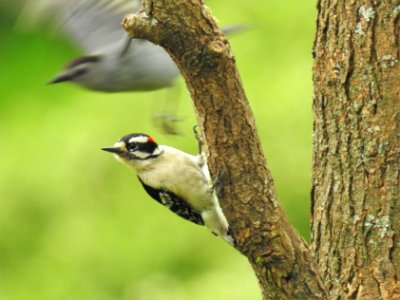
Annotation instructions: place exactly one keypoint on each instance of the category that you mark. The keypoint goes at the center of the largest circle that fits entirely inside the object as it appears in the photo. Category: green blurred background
(75, 224)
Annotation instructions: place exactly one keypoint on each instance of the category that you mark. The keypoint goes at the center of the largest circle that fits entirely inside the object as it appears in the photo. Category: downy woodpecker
(175, 179)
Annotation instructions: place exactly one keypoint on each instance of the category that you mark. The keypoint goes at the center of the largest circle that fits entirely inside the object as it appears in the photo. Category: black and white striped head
(135, 146)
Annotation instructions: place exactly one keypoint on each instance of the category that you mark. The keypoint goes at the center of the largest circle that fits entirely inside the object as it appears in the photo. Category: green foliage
(74, 224)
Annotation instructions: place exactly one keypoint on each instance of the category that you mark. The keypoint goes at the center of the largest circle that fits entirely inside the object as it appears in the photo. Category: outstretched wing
(91, 23)
(174, 203)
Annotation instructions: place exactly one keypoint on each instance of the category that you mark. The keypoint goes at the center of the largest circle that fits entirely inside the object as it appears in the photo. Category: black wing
(174, 203)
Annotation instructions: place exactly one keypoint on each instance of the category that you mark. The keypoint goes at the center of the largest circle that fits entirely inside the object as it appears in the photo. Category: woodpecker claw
(218, 180)
(167, 122)
(198, 138)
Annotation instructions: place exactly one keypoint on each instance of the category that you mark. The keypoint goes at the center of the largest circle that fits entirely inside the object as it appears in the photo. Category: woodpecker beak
(116, 150)
(60, 78)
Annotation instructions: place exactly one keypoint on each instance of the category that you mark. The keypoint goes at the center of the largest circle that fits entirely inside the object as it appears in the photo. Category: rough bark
(356, 207)
(278, 255)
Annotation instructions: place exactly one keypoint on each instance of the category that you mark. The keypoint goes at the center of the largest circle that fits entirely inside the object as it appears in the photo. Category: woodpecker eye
(132, 147)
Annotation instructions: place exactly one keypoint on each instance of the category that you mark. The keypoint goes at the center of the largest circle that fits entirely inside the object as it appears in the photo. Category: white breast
(179, 173)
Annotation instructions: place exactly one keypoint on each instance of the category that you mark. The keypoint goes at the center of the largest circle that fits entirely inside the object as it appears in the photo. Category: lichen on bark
(356, 161)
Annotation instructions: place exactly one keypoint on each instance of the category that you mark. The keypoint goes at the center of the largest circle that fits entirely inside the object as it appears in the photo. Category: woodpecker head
(77, 69)
(135, 147)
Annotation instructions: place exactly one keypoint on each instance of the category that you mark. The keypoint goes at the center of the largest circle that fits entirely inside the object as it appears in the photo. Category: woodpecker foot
(198, 138)
(218, 181)
(167, 122)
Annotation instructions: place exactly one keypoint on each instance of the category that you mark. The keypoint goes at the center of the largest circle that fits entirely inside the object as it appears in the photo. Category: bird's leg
(218, 181)
(201, 156)
(199, 139)
(166, 118)
(167, 122)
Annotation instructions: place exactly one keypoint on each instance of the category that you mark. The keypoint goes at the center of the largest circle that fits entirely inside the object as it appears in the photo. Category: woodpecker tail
(214, 219)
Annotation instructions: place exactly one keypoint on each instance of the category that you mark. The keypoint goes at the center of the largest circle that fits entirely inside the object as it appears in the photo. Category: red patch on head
(151, 139)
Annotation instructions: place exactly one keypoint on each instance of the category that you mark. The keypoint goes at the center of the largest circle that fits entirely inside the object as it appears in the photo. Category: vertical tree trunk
(356, 207)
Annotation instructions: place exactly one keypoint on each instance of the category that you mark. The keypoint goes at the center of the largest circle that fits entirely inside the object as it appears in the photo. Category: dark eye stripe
(132, 147)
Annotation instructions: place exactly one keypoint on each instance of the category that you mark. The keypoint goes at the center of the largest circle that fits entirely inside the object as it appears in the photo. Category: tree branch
(189, 33)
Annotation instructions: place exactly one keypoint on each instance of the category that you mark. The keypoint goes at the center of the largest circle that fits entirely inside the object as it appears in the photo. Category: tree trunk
(279, 256)
(356, 163)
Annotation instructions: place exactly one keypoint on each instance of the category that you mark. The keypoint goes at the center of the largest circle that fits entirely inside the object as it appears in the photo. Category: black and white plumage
(175, 203)
(176, 179)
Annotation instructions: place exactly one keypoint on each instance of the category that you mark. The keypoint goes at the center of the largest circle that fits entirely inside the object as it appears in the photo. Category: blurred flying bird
(113, 62)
